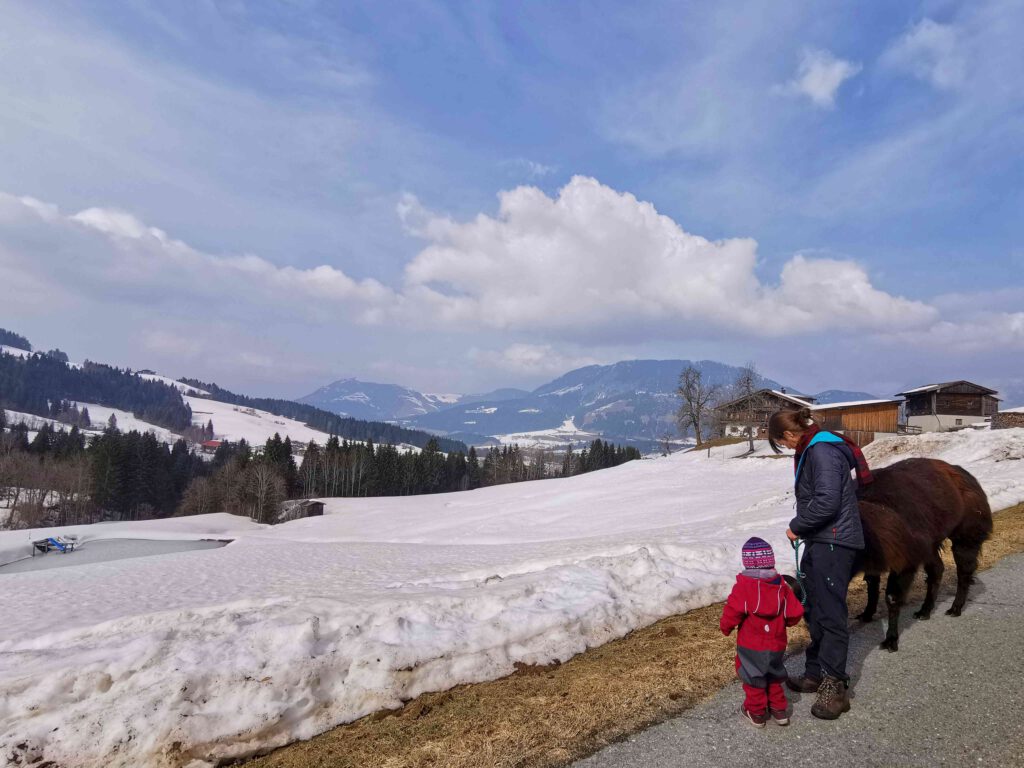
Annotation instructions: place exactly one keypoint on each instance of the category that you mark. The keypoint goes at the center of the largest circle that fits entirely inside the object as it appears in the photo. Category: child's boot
(758, 721)
(779, 716)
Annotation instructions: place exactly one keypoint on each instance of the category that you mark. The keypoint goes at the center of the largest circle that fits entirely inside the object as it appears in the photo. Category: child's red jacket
(762, 609)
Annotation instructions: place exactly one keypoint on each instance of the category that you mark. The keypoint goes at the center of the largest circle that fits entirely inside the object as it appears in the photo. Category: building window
(959, 422)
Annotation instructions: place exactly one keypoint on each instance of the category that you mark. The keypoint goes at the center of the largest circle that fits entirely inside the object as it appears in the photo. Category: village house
(861, 420)
(754, 410)
(948, 406)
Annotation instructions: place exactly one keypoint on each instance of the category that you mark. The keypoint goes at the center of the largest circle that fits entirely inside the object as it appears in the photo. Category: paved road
(953, 695)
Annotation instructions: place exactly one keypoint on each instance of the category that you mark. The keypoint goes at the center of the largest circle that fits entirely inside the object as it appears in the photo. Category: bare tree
(697, 397)
(753, 409)
(266, 491)
(71, 481)
(201, 497)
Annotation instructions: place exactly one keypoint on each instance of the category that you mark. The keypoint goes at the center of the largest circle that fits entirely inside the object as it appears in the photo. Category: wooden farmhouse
(953, 405)
(754, 410)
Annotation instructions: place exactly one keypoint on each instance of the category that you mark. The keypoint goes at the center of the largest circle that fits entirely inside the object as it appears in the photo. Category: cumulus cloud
(530, 359)
(929, 51)
(594, 258)
(110, 254)
(819, 76)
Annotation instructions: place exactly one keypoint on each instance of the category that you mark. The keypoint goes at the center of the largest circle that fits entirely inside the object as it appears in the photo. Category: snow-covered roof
(792, 398)
(852, 404)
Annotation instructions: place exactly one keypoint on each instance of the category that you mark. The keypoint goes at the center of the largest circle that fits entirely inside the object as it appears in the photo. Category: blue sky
(461, 196)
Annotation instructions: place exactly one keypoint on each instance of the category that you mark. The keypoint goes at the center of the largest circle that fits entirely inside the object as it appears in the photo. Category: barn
(952, 405)
(861, 419)
(296, 509)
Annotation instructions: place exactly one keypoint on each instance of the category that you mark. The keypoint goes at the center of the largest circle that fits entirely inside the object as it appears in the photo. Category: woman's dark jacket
(826, 497)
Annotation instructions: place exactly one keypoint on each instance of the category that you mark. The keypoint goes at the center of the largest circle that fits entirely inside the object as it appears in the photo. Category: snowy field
(188, 658)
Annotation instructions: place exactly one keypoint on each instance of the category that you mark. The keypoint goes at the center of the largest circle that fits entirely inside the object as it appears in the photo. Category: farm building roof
(852, 404)
(795, 399)
(944, 385)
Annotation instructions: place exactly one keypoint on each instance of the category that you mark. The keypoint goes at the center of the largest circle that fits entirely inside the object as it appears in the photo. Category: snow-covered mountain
(379, 402)
(628, 400)
(392, 402)
(842, 396)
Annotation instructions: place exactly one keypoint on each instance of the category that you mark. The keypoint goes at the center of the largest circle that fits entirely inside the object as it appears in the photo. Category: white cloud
(594, 258)
(930, 51)
(530, 168)
(587, 266)
(819, 76)
(111, 255)
(980, 332)
(530, 359)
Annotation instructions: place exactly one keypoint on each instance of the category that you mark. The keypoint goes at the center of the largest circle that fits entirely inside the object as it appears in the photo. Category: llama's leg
(896, 588)
(873, 580)
(933, 570)
(966, 557)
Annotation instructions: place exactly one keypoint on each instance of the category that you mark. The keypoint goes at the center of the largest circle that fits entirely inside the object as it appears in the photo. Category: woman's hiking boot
(832, 699)
(803, 684)
(779, 716)
(758, 721)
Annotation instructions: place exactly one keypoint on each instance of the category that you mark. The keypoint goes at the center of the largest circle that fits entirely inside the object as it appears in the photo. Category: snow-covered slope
(14, 351)
(237, 422)
(186, 389)
(100, 415)
(220, 653)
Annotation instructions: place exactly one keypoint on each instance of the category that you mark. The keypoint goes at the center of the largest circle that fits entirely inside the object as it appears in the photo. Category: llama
(908, 512)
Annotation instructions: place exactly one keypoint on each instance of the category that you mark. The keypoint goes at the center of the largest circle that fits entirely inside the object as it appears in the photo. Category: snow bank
(200, 656)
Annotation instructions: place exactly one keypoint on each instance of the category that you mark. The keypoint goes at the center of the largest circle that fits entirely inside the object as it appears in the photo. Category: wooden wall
(952, 404)
(880, 417)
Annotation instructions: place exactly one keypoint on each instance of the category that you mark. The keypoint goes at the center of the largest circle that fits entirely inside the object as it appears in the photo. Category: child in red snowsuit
(762, 605)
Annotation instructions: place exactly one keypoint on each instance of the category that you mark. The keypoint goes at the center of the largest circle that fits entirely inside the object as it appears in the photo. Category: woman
(828, 520)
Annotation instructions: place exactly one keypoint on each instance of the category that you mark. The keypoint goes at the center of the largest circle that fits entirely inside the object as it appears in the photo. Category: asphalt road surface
(952, 695)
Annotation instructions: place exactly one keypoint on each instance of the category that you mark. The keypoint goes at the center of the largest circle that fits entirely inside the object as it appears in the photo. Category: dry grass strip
(541, 717)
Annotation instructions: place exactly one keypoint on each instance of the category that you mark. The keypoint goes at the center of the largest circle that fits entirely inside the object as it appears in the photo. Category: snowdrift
(190, 658)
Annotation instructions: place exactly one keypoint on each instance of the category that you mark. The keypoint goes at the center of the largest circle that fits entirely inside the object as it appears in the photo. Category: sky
(463, 196)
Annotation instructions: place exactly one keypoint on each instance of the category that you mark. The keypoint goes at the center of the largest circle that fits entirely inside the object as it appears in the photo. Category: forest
(30, 384)
(61, 478)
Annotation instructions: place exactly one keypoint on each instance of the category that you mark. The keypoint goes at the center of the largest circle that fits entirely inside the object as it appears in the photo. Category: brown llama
(908, 512)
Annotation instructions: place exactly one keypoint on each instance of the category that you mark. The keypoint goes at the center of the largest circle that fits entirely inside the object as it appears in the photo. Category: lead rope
(800, 574)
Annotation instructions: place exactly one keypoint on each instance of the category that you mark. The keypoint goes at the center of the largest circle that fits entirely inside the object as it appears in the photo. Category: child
(762, 605)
